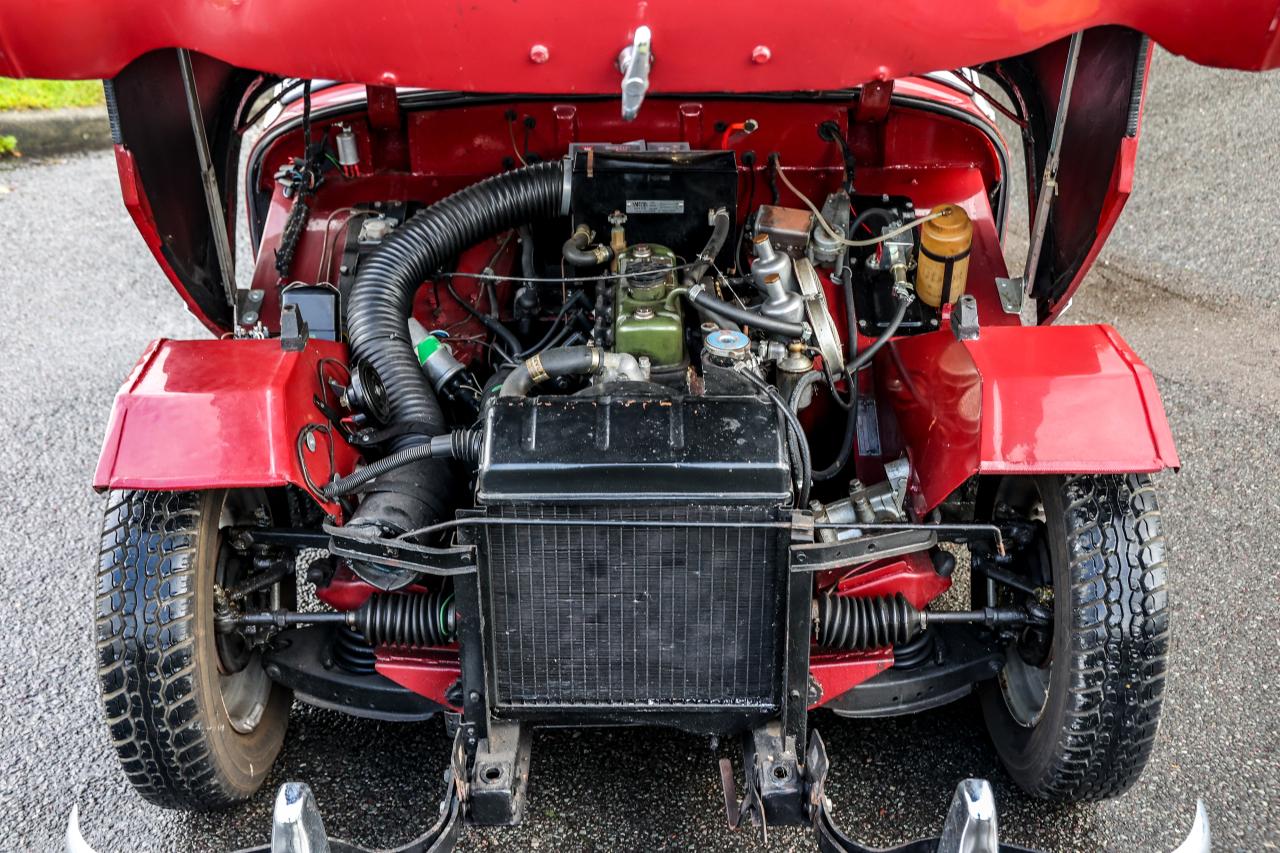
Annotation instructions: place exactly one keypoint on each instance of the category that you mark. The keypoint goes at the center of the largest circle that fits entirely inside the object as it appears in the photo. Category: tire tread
(1120, 637)
(145, 607)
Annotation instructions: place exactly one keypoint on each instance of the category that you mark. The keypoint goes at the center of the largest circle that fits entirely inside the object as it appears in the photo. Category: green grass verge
(48, 94)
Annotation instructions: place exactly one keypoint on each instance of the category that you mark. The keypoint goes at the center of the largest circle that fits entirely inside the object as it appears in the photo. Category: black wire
(499, 330)
(543, 343)
(830, 131)
(555, 280)
(299, 445)
(252, 120)
(797, 443)
(741, 254)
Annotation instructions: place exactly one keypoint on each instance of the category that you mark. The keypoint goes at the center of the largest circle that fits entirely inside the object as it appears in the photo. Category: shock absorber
(847, 623)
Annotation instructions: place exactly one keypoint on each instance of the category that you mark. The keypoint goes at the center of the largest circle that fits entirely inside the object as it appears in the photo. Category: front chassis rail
(970, 825)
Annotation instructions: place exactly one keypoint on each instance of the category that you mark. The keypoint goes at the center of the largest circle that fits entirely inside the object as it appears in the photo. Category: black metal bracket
(282, 537)
(773, 791)
(301, 659)
(962, 657)
(970, 825)
(843, 553)
(400, 554)
(500, 775)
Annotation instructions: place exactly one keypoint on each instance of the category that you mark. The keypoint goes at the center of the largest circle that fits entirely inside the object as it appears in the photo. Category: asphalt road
(1188, 279)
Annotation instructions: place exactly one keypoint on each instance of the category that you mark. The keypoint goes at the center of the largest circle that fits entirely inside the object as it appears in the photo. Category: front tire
(193, 718)
(1074, 714)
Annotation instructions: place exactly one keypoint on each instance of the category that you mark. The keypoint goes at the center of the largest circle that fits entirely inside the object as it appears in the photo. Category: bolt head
(539, 54)
(760, 54)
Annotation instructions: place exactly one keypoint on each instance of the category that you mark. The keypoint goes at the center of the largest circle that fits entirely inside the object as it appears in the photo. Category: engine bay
(608, 377)
(686, 266)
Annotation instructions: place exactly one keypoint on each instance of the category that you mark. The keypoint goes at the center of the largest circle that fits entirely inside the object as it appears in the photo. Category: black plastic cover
(680, 449)
(667, 196)
(318, 307)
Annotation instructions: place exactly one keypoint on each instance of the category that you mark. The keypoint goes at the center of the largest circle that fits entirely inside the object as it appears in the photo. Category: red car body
(1008, 402)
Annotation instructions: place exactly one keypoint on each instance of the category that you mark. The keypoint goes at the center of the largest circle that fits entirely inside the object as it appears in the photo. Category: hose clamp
(536, 371)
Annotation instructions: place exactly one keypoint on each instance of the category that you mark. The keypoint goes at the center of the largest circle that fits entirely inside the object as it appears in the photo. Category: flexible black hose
(575, 251)
(720, 223)
(864, 357)
(869, 213)
(562, 361)
(851, 418)
(822, 475)
(463, 445)
(382, 299)
(555, 331)
(747, 317)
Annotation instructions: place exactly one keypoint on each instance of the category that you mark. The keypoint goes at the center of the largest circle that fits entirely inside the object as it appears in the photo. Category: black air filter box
(666, 195)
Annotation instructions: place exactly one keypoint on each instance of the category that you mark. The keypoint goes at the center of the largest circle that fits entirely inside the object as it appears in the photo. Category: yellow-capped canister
(943, 264)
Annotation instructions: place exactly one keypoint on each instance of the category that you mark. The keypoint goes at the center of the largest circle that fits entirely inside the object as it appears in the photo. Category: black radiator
(628, 565)
(628, 612)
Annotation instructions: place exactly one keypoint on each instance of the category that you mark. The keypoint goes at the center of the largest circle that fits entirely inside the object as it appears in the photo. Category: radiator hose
(413, 495)
(569, 361)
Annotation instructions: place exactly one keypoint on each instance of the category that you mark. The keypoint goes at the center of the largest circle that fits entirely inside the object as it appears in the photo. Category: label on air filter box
(655, 205)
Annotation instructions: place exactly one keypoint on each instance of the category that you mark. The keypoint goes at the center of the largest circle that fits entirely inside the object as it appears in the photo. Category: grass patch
(48, 94)
(8, 145)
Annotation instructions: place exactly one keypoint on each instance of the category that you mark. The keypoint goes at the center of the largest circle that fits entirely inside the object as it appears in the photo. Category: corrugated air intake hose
(417, 494)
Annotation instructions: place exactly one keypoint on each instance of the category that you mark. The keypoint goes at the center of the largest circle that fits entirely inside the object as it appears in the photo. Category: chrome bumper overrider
(970, 825)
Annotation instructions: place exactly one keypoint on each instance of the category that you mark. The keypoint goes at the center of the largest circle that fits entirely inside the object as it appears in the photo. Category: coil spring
(856, 624)
(415, 620)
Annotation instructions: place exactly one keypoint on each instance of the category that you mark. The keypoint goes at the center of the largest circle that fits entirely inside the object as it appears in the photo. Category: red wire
(855, 216)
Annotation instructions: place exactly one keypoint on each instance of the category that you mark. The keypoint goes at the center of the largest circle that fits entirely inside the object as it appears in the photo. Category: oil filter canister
(943, 264)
